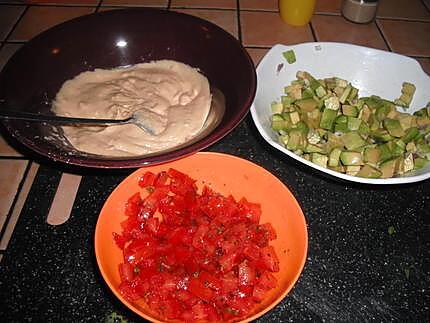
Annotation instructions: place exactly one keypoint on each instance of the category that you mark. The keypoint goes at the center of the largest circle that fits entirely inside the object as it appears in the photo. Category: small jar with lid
(360, 11)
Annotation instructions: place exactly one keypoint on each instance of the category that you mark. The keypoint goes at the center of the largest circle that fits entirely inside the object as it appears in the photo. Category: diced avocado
(381, 135)
(279, 123)
(352, 170)
(332, 103)
(327, 118)
(351, 158)
(286, 100)
(334, 157)
(320, 91)
(296, 140)
(365, 113)
(294, 117)
(345, 94)
(319, 159)
(372, 155)
(349, 110)
(393, 127)
(352, 140)
(408, 163)
(407, 93)
(313, 137)
(420, 163)
(398, 147)
(386, 153)
(387, 168)
(353, 123)
(283, 139)
(276, 107)
(307, 105)
(310, 148)
(294, 91)
(410, 134)
(368, 171)
(290, 56)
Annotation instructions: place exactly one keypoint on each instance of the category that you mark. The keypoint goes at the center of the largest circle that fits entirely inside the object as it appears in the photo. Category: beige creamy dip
(173, 97)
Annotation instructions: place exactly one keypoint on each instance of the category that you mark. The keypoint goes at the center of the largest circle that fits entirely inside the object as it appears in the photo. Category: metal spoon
(154, 127)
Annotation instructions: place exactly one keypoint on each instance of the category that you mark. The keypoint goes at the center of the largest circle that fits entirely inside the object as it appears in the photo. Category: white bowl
(372, 71)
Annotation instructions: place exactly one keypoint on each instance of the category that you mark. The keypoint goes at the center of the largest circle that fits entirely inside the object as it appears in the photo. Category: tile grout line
(22, 198)
(314, 35)
(15, 199)
(239, 25)
(381, 32)
(169, 4)
(16, 23)
(425, 5)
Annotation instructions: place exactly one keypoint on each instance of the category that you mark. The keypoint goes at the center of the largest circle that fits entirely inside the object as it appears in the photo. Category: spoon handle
(28, 116)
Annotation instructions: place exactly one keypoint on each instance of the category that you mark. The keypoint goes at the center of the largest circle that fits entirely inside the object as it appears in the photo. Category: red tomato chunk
(194, 256)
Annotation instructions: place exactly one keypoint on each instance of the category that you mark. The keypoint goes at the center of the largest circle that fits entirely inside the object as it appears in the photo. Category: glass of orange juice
(296, 12)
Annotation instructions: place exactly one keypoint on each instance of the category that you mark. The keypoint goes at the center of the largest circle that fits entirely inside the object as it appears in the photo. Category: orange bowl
(225, 174)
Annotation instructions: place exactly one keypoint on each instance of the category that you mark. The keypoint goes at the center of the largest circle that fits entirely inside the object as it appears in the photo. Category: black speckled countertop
(367, 261)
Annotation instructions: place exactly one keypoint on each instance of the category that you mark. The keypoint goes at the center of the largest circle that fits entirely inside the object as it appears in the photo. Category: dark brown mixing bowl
(33, 76)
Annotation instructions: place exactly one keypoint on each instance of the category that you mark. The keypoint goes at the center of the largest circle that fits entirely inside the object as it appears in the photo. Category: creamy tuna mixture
(172, 98)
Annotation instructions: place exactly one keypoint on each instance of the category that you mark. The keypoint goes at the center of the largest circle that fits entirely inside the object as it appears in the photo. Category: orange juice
(296, 12)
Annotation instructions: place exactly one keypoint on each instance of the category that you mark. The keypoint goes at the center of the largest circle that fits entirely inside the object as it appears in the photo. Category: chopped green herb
(290, 56)
(391, 230)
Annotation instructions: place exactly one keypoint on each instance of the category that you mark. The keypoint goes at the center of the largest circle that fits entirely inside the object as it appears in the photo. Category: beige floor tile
(28, 182)
(6, 52)
(148, 3)
(6, 150)
(257, 54)
(38, 19)
(9, 15)
(425, 64)
(266, 29)
(219, 4)
(409, 9)
(259, 4)
(11, 173)
(328, 6)
(64, 2)
(226, 19)
(408, 38)
(338, 29)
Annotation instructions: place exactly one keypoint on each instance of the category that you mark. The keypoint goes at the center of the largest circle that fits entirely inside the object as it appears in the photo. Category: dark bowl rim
(139, 161)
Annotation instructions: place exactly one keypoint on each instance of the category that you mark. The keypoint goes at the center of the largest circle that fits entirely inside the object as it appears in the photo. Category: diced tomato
(201, 257)
(197, 288)
(246, 274)
(126, 272)
(147, 179)
(268, 259)
(119, 240)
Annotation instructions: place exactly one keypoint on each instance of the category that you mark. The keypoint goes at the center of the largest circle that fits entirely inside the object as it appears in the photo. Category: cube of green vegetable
(372, 155)
(327, 118)
(352, 140)
(368, 171)
(290, 56)
(334, 157)
(349, 110)
(393, 127)
(276, 107)
(351, 158)
(319, 159)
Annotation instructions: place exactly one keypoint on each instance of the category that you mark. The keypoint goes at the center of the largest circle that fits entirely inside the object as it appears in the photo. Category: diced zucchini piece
(350, 110)
(352, 170)
(294, 117)
(351, 158)
(372, 155)
(319, 159)
(368, 171)
(332, 103)
(410, 134)
(279, 123)
(276, 107)
(290, 56)
(386, 153)
(283, 139)
(423, 121)
(310, 148)
(393, 127)
(381, 135)
(334, 157)
(387, 168)
(320, 91)
(408, 91)
(286, 101)
(307, 105)
(327, 118)
(296, 140)
(313, 137)
(345, 94)
(352, 140)
(411, 147)
(420, 163)
(294, 91)
(353, 123)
